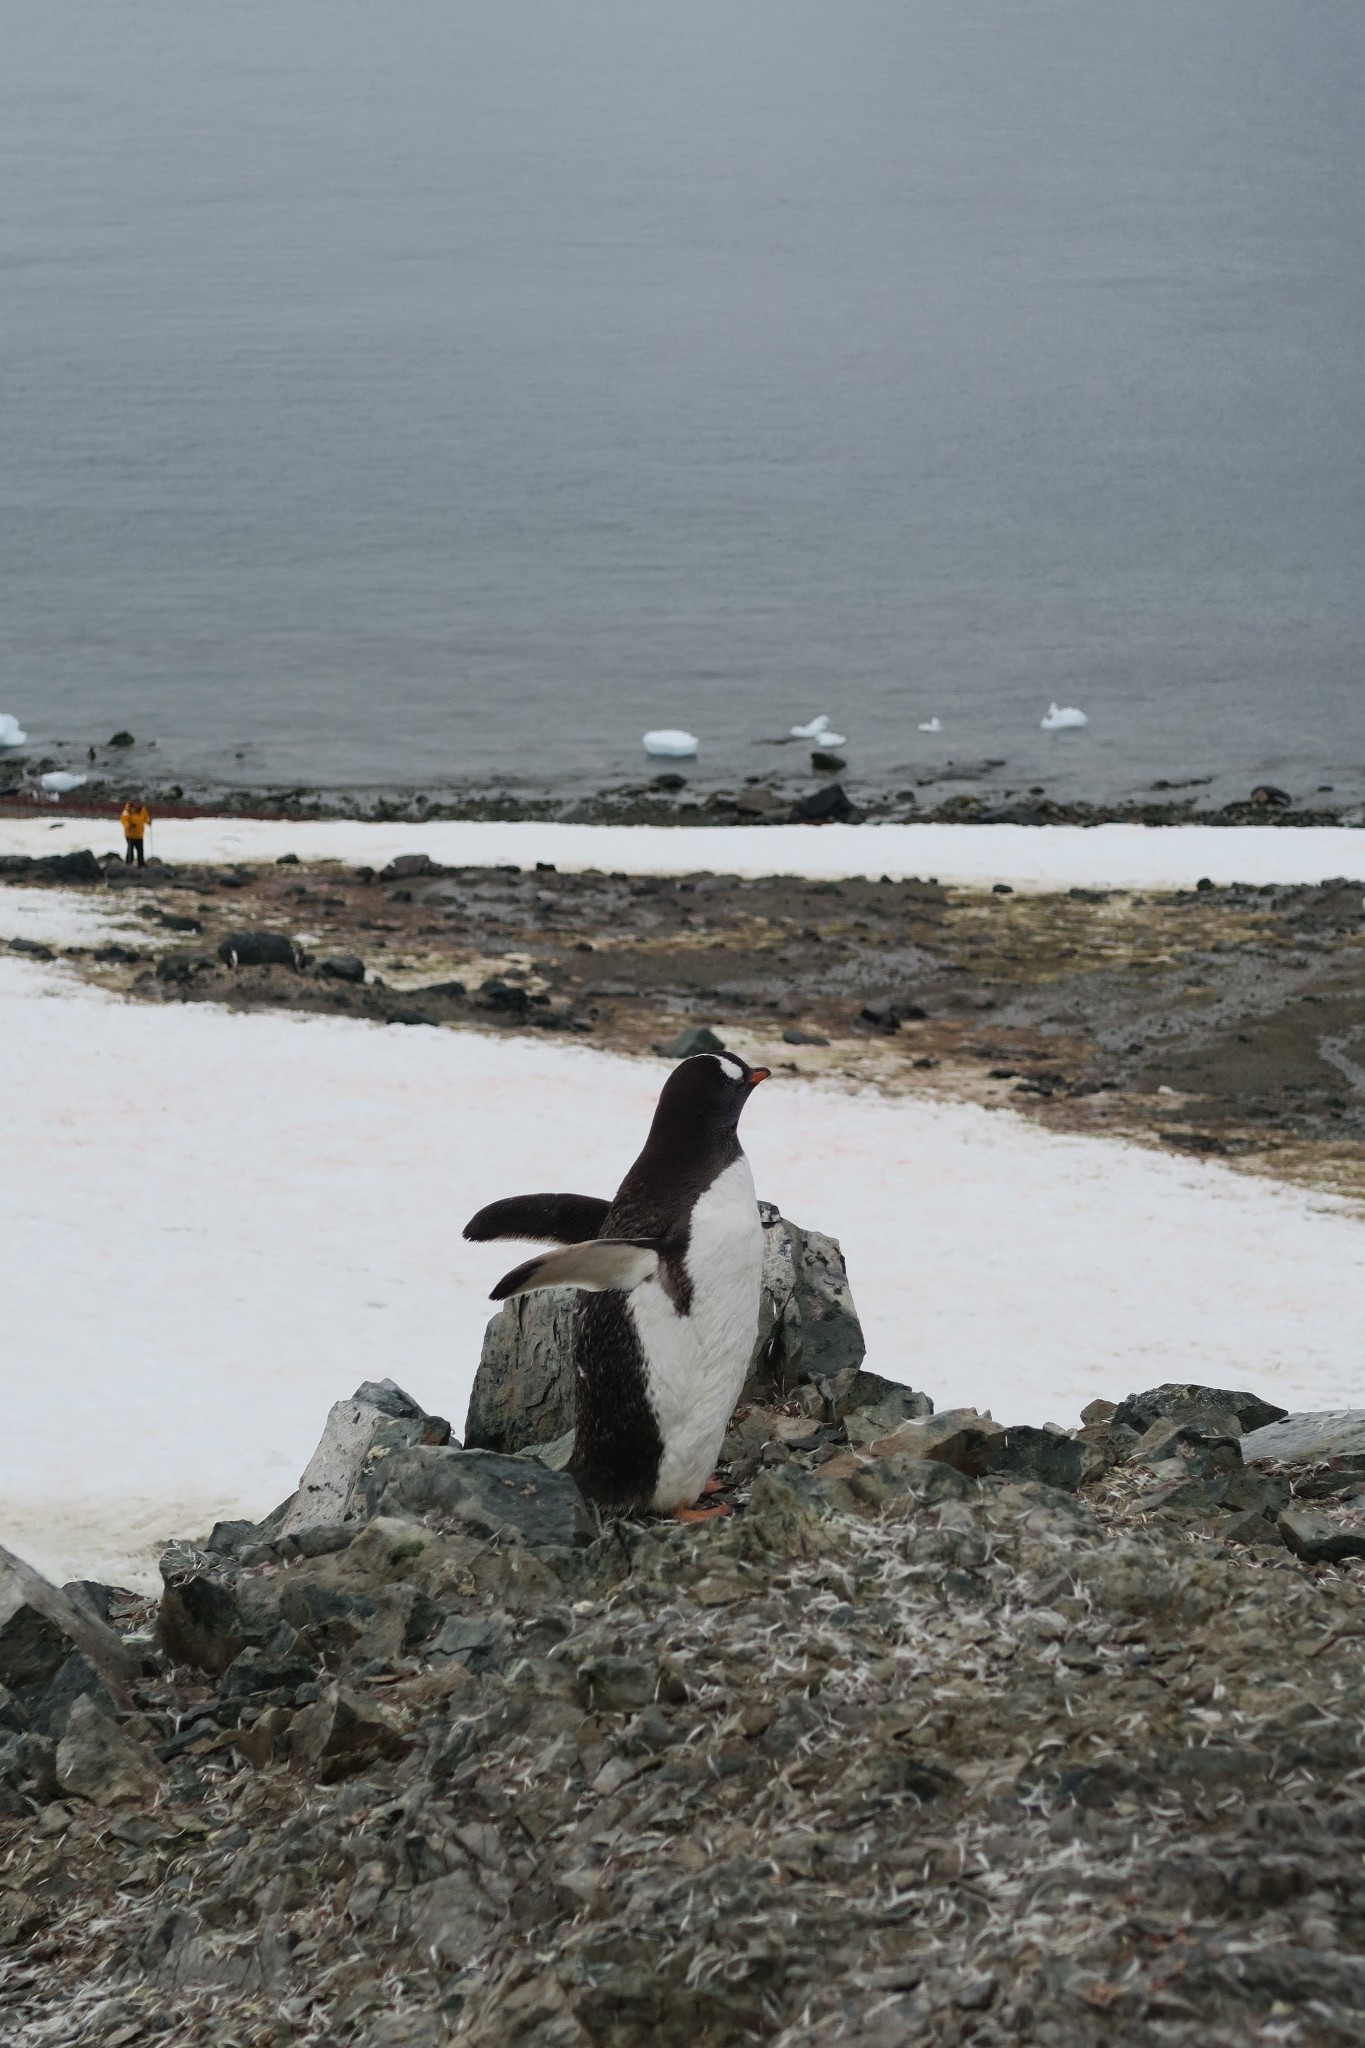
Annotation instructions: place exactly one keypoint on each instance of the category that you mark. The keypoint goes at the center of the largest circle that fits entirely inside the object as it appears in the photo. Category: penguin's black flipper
(603, 1263)
(540, 1219)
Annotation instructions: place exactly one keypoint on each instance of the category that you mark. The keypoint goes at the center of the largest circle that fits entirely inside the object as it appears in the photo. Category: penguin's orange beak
(757, 1074)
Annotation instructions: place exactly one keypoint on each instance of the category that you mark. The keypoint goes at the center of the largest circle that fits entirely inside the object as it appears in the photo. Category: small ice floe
(672, 746)
(1060, 716)
(11, 734)
(818, 730)
(931, 725)
(61, 782)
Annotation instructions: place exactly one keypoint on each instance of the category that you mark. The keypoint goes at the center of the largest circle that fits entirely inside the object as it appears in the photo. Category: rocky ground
(1218, 1021)
(946, 1733)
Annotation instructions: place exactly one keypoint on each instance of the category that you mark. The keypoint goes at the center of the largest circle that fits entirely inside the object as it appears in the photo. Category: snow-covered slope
(213, 1225)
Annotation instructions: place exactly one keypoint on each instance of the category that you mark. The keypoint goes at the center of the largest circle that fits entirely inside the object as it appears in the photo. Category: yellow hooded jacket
(135, 820)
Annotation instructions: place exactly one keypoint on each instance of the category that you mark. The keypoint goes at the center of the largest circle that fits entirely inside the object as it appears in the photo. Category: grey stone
(1202, 1451)
(97, 1760)
(52, 1648)
(1043, 1455)
(341, 1734)
(823, 805)
(864, 1421)
(808, 1326)
(1319, 1540)
(28, 1767)
(491, 1495)
(407, 865)
(697, 1038)
(1309, 1438)
(342, 967)
(1140, 1411)
(258, 949)
(959, 1437)
(261, 1671)
(523, 1390)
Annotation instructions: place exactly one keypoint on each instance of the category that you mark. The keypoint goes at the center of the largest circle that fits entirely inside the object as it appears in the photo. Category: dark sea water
(446, 389)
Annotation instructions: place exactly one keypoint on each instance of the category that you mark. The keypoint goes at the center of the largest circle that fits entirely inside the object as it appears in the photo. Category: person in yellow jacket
(135, 820)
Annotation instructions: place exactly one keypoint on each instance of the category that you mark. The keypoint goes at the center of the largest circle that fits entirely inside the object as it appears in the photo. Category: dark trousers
(133, 852)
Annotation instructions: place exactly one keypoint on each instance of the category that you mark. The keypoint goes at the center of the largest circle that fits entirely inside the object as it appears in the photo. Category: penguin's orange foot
(702, 1514)
(714, 1485)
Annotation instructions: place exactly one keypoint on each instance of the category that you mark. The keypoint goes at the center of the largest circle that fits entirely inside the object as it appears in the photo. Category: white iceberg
(672, 746)
(1059, 717)
(814, 731)
(932, 725)
(61, 782)
(830, 739)
(11, 734)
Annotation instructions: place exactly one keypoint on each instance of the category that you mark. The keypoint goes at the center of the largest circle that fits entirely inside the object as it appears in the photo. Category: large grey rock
(1317, 1539)
(98, 1761)
(523, 1390)
(1043, 1455)
(378, 1420)
(1309, 1439)
(341, 1734)
(490, 1495)
(1181, 1401)
(52, 1650)
(808, 1329)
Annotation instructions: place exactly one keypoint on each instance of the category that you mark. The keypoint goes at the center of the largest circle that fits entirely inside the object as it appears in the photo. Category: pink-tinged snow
(1035, 857)
(215, 1225)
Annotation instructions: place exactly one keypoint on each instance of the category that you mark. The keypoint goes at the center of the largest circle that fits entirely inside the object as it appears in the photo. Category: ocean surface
(447, 391)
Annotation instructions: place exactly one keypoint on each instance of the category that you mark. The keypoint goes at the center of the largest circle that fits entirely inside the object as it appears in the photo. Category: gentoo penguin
(667, 1322)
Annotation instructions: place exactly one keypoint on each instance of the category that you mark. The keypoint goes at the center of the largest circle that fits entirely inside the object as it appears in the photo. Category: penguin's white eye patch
(735, 1067)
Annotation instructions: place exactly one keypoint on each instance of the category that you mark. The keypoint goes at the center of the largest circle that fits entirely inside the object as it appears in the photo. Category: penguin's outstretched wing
(541, 1219)
(599, 1265)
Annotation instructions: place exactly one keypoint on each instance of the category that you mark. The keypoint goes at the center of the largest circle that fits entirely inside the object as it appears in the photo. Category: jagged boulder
(808, 1330)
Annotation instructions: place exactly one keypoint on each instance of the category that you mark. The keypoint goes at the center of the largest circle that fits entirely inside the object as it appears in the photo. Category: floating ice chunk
(830, 739)
(60, 782)
(815, 730)
(1059, 717)
(669, 745)
(931, 725)
(10, 733)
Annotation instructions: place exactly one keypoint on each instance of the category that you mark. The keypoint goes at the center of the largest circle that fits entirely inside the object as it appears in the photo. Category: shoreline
(964, 854)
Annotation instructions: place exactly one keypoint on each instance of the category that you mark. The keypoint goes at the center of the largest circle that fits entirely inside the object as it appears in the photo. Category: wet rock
(823, 806)
(794, 1035)
(342, 967)
(79, 867)
(97, 1761)
(1043, 1455)
(340, 1735)
(1308, 1439)
(507, 996)
(1140, 1411)
(959, 1437)
(488, 1494)
(1317, 1539)
(881, 1013)
(258, 949)
(697, 1038)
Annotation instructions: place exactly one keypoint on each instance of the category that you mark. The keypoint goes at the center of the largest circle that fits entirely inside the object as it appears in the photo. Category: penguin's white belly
(695, 1364)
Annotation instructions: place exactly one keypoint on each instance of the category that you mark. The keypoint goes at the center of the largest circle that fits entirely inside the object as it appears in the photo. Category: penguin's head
(707, 1093)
